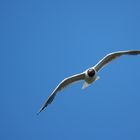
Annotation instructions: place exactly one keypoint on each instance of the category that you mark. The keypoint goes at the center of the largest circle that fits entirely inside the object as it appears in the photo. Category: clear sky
(42, 42)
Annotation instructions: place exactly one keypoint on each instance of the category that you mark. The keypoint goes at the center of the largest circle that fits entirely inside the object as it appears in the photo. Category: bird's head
(91, 72)
(90, 76)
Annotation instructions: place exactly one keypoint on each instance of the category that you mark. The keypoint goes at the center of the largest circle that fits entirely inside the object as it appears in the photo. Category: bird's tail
(86, 84)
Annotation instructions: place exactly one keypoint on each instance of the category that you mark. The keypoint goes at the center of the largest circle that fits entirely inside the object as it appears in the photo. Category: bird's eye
(91, 72)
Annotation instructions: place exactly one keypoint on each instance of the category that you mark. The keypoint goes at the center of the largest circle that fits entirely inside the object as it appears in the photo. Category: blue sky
(43, 42)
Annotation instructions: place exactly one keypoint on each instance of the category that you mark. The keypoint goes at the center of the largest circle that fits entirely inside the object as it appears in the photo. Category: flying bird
(89, 75)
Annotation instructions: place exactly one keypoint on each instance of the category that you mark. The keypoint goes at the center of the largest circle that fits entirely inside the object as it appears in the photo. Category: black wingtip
(40, 111)
(135, 52)
(50, 99)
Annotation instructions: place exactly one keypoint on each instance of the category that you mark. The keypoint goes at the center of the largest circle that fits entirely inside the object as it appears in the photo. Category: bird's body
(89, 75)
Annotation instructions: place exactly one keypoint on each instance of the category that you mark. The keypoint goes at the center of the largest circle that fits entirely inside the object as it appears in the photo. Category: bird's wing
(62, 85)
(108, 58)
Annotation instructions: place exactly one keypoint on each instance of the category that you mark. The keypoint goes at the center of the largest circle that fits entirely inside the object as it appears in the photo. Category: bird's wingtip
(39, 111)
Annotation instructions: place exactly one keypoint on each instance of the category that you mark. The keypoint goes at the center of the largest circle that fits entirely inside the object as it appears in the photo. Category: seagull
(89, 76)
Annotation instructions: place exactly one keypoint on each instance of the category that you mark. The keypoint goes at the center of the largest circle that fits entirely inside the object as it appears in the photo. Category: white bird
(89, 75)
